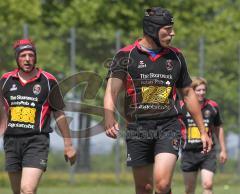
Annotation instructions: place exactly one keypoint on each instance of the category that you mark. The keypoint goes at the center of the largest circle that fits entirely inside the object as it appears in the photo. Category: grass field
(125, 189)
(105, 183)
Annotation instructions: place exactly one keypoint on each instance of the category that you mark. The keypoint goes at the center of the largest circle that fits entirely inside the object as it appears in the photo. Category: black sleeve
(118, 66)
(55, 97)
(217, 119)
(184, 79)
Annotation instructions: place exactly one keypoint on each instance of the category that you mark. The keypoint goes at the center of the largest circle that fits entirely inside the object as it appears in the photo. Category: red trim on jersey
(35, 77)
(174, 93)
(15, 74)
(208, 101)
(131, 89)
(164, 52)
(49, 76)
(45, 111)
(177, 50)
(11, 73)
(127, 48)
(212, 103)
(22, 83)
(40, 71)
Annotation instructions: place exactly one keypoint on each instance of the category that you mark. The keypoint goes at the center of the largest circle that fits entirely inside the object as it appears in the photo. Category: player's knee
(163, 186)
(144, 188)
(26, 189)
(148, 188)
(207, 185)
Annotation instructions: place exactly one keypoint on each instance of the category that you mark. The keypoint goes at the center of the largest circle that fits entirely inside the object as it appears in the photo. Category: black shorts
(26, 151)
(146, 139)
(192, 161)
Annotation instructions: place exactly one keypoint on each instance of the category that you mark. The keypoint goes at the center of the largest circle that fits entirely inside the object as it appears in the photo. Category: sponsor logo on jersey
(13, 88)
(169, 65)
(156, 94)
(156, 76)
(36, 89)
(141, 65)
(23, 114)
(168, 83)
(207, 114)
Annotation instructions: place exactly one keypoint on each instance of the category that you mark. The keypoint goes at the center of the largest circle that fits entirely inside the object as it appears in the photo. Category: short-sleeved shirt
(29, 104)
(211, 118)
(150, 82)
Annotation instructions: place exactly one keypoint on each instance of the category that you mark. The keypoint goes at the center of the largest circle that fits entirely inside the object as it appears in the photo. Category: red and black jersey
(211, 118)
(28, 104)
(150, 82)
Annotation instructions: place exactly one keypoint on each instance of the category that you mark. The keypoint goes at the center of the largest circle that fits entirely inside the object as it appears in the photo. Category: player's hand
(222, 157)
(207, 143)
(70, 154)
(111, 128)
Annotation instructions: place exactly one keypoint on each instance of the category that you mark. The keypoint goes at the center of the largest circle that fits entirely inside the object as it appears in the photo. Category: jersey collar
(160, 54)
(16, 75)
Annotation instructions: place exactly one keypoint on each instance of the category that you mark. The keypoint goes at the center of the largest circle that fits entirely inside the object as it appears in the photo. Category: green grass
(105, 183)
(123, 189)
(81, 190)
